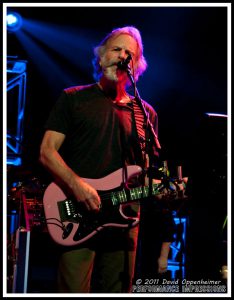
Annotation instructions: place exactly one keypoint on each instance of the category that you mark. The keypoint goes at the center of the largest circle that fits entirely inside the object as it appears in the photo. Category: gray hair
(140, 65)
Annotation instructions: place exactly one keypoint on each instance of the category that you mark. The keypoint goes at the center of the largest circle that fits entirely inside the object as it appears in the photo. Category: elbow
(43, 155)
(48, 151)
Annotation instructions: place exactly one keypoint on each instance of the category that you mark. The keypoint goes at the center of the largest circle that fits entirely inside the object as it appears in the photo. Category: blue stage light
(14, 21)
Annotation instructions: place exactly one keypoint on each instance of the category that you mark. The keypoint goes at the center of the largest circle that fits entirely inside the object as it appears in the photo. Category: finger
(93, 204)
(162, 270)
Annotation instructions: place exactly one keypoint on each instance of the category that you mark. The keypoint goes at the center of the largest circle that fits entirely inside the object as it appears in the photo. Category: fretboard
(133, 194)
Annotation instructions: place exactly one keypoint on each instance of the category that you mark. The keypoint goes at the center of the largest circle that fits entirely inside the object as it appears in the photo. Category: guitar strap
(139, 122)
(140, 127)
(138, 119)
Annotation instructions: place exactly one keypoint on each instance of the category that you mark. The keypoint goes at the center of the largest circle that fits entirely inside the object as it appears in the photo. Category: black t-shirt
(100, 134)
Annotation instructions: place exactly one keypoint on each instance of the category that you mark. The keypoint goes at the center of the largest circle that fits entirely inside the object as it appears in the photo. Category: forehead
(123, 41)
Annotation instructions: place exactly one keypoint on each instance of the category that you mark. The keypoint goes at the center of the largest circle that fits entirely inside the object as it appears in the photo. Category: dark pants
(103, 265)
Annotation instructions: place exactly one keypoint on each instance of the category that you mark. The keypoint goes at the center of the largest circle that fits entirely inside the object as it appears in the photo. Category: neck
(115, 90)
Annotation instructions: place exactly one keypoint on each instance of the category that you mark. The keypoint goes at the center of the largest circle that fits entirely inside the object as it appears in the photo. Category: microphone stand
(151, 138)
(145, 256)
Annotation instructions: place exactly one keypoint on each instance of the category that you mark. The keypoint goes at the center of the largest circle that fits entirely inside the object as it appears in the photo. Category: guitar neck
(134, 194)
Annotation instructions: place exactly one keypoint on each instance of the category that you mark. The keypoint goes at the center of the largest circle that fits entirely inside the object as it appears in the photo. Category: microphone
(123, 65)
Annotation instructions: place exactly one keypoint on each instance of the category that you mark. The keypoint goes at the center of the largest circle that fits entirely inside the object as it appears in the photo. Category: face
(118, 49)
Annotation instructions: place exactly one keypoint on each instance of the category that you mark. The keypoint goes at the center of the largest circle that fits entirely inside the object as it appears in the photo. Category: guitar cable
(52, 223)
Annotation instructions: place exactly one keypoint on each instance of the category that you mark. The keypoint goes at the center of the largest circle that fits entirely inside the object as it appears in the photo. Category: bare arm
(52, 160)
(163, 258)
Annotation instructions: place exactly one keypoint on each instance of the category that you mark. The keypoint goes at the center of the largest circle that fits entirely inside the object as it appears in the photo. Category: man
(91, 132)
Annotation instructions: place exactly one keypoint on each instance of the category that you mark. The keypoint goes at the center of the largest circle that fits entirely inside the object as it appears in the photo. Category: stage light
(14, 21)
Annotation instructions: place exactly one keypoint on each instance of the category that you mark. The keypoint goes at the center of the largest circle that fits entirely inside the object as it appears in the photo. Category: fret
(136, 193)
(122, 196)
(145, 191)
(139, 192)
(114, 198)
(155, 189)
(133, 194)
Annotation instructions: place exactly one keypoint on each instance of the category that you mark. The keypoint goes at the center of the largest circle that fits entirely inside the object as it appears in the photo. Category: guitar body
(71, 224)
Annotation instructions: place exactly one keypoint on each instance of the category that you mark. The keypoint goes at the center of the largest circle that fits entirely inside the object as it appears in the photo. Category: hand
(87, 195)
(162, 264)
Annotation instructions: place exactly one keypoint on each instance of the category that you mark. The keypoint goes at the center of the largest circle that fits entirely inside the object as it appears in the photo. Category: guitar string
(137, 190)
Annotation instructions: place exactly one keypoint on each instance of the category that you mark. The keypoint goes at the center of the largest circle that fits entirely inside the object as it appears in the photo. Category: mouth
(113, 64)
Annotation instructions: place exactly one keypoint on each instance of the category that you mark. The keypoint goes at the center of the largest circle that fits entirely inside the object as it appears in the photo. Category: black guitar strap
(138, 119)
(139, 122)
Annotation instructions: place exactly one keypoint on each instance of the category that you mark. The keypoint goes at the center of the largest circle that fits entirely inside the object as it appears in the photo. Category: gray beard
(110, 74)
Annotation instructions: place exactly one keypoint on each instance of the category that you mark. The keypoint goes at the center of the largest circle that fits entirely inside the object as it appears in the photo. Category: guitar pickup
(68, 211)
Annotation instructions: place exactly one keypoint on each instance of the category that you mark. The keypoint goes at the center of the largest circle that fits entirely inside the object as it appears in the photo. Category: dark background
(186, 51)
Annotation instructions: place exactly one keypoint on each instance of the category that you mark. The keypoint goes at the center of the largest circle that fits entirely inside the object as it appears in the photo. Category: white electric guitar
(69, 223)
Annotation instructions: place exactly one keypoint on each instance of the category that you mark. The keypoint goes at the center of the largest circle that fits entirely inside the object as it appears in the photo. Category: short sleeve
(60, 116)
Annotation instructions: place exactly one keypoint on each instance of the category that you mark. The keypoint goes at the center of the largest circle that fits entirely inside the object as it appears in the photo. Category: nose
(122, 54)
